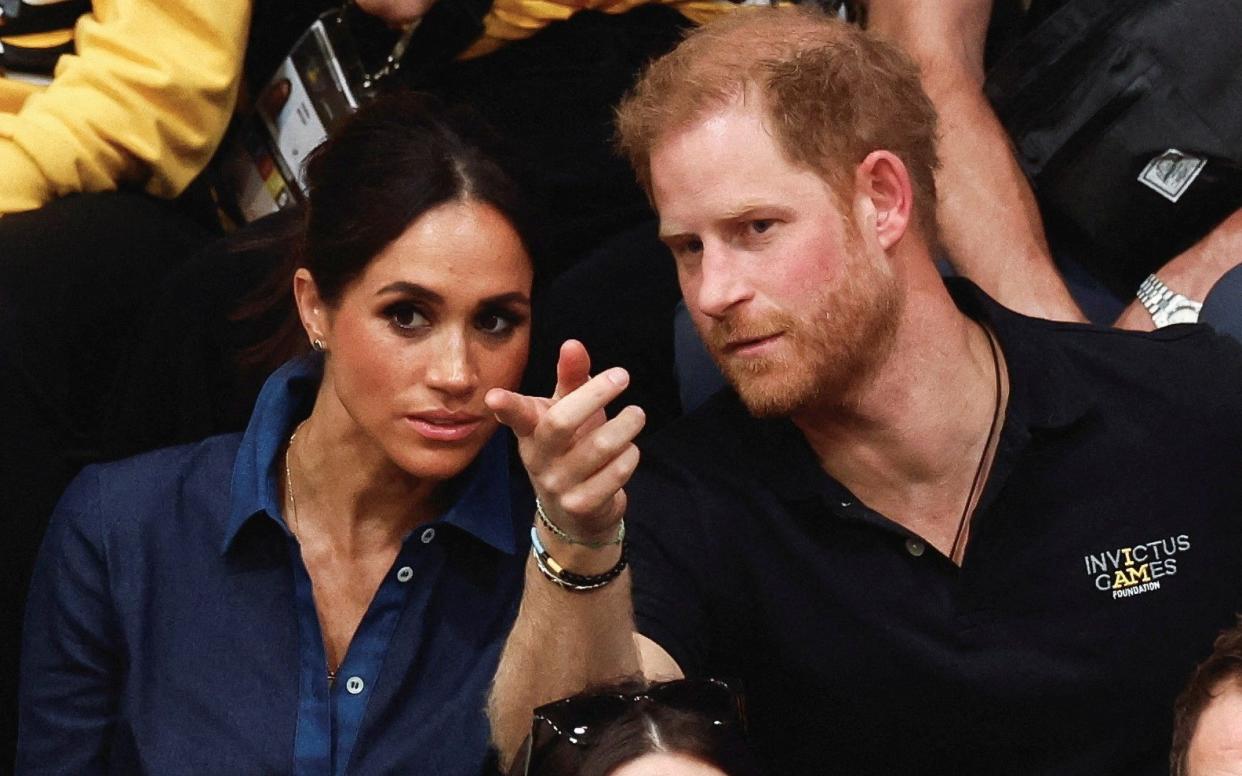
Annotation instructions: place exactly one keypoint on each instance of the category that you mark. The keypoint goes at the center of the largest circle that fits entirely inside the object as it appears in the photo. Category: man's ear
(883, 183)
(311, 309)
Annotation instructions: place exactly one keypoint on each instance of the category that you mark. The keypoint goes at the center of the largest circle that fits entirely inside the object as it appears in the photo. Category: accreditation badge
(316, 87)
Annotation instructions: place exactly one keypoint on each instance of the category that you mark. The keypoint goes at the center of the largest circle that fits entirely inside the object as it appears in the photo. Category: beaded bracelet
(578, 583)
(561, 534)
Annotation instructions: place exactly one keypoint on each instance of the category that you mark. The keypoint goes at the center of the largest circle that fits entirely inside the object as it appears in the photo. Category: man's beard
(823, 355)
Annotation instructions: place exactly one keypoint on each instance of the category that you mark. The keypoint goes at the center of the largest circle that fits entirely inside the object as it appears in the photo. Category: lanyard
(338, 26)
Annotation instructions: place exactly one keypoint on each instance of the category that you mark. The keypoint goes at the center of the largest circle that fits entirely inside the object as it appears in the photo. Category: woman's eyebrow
(411, 289)
(513, 297)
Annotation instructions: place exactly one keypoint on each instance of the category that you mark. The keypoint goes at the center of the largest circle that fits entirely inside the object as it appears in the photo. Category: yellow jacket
(510, 20)
(144, 101)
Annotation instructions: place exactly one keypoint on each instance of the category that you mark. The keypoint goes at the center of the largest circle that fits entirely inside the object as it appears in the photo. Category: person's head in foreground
(1207, 726)
(791, 158)
(687, 727)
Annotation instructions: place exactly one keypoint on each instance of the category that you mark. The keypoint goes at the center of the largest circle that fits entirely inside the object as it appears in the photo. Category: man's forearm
(1194, 271)
(1197, 269)
(579, 461)
(561, 642)
(989, 221)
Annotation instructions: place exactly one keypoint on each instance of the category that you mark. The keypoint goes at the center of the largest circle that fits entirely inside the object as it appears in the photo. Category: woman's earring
(317, 345)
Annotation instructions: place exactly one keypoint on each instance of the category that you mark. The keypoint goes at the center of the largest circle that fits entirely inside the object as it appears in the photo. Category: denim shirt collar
(481, 505)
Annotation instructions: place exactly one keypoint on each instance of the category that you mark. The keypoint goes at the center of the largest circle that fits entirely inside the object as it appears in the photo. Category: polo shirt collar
(1045, 394)
(481, 504)
(1044, 390)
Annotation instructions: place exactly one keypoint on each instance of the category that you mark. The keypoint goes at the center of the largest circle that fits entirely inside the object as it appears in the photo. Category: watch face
(1183, 315)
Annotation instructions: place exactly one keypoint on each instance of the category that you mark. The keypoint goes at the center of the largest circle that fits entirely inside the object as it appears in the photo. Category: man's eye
(761, 225)
(690, 247)
(405, 317)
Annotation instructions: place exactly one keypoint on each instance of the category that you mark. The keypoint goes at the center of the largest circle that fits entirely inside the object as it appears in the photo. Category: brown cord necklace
(963, 525)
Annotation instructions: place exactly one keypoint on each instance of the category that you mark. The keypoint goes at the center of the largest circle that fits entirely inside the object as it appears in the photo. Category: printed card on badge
(316, 87)
(305, 99)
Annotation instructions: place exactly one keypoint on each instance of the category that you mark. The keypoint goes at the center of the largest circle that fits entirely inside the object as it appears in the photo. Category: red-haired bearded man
(930, 535)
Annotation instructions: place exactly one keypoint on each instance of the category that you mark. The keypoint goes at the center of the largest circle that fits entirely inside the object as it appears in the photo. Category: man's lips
(751, 344)
(444, 426)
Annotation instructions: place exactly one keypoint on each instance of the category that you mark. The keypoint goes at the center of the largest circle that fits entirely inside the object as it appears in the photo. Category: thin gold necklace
(293, 503)
(293, 527)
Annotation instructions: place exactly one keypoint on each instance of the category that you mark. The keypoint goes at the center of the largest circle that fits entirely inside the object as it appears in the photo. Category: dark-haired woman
(687, 727)
(327, 592)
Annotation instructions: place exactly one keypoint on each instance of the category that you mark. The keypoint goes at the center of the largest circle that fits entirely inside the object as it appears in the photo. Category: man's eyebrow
(745, 210)
(411, 289)
(732, 214)
(671, 237)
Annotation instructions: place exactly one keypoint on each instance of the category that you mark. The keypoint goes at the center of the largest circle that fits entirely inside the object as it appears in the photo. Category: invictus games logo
(1130, 571)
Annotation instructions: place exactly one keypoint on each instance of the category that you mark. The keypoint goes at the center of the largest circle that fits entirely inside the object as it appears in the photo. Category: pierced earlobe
(317, 345)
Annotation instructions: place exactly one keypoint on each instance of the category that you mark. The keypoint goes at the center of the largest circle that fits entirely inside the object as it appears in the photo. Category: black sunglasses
(577, 720)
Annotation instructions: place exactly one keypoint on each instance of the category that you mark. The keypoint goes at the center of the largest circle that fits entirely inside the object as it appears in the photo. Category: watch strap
(1163, 303)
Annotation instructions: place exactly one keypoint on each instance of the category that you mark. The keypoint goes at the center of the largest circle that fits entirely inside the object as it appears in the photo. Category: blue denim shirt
(171, 627)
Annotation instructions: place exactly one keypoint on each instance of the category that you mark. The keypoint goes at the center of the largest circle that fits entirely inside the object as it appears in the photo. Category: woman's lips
(444, 427)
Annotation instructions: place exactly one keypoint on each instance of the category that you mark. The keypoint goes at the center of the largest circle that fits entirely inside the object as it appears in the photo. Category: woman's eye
(406, 317)
(494, 323)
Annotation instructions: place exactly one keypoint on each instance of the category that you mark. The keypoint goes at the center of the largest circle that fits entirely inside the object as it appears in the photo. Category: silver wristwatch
(1166, 306)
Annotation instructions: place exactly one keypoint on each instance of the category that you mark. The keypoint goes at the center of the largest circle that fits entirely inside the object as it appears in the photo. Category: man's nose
(722, 283)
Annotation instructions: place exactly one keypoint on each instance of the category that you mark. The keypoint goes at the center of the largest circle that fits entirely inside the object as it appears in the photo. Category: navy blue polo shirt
(171, 628)
(1105, 555)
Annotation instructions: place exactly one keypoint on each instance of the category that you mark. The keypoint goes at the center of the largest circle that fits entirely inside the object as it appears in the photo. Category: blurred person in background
(1089, 146)
(109, 112)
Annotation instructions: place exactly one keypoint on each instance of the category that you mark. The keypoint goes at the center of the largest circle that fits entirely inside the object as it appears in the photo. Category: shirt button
(847, 504)
(354, 685)
(428, 535)
(405, 574)
(915, 547)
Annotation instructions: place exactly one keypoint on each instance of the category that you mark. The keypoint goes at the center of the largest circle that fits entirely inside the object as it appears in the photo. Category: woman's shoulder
(186, 457)
(153, 485)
